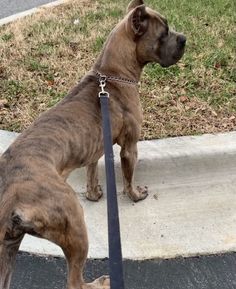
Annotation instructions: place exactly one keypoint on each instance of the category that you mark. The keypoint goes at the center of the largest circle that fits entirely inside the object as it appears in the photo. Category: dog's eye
(163, 35)
(165, 32)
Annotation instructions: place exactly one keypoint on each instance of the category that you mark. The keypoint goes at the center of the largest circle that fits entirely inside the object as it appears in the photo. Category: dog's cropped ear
(133, 4)
(139, 19)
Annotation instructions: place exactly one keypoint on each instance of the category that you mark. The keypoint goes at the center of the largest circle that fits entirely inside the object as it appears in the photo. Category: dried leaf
(50, 82)
(214, 113)
(217, 65)
(3, 103)
(183, 99)
(166, 89)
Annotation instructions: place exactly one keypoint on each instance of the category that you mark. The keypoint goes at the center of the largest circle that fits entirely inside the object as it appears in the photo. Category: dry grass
(44, 55)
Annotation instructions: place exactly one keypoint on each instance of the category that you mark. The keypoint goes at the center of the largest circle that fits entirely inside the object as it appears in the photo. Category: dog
(34, 195)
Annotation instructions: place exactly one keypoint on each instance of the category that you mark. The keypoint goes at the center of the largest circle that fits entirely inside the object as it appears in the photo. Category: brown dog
(34, 197)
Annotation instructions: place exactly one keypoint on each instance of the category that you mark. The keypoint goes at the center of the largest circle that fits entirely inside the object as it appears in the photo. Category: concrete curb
(191, 208)
(19, 15)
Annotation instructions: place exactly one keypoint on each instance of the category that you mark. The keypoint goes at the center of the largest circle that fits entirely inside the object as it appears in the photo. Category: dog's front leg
(128, 156)
(94, 191)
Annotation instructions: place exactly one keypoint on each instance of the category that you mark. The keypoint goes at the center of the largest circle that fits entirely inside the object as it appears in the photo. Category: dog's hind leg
(59, 218)
(8, 250)
(75, 247)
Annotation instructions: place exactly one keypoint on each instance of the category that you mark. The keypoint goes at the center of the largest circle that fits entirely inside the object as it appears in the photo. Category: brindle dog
(34, 195)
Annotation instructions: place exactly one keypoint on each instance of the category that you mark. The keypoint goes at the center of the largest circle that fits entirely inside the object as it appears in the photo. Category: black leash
(115, 253)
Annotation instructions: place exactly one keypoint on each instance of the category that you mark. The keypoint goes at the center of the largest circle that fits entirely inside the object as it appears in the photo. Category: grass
(44, 55)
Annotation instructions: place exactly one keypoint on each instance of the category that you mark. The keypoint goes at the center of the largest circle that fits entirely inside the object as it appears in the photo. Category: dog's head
(155, 41)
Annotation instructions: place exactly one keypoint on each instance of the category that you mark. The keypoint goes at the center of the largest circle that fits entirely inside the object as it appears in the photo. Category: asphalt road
(10, 7)
(203, 272)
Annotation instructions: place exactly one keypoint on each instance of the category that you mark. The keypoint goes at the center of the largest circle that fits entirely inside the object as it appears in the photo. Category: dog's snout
(181, 40)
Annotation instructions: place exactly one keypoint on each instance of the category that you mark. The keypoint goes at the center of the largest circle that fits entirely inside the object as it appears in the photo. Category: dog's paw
(102, 282)
(138, 194)
(94, 195)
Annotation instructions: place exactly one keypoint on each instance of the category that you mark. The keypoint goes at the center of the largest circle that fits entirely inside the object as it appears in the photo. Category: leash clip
(103, 80)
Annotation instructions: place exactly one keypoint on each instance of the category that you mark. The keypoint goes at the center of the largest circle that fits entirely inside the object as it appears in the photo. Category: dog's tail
(7, 250)
(6, 208)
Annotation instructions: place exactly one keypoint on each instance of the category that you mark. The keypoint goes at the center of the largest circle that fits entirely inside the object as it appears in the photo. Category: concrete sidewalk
(16, 9)
(11, 7)
(191, 208)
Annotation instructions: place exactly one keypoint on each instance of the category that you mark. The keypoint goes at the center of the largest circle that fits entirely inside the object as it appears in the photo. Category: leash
(115, 253)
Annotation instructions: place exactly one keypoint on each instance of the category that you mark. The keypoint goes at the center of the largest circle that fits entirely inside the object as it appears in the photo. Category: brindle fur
(34, 195)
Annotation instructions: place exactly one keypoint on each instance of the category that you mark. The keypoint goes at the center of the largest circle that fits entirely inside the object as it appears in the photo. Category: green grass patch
(44, 55)
(98, 43)
(12, 89)
(7, 36)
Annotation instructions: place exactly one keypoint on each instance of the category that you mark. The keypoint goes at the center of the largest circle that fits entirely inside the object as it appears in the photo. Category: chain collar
(114, 78)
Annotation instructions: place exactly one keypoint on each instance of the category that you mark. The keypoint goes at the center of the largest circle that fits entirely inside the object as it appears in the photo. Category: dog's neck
(118, 57)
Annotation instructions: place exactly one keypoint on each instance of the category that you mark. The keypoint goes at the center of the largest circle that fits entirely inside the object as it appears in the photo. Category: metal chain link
(114, 78)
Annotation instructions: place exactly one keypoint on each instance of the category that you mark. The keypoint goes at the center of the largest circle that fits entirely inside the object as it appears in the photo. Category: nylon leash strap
(115, 253)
